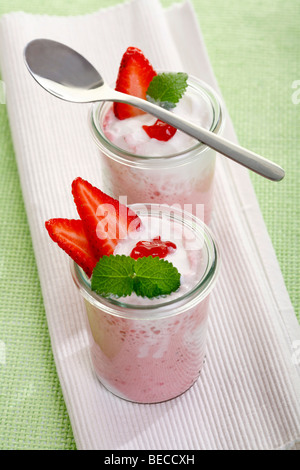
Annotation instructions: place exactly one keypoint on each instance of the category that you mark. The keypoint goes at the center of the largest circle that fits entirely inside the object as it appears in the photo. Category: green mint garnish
(166, 89)
(155, 277)
(113, 275)
(120, 275)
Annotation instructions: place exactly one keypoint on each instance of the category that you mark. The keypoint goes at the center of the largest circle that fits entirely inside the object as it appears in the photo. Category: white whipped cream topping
(187, 258)
(129, 134)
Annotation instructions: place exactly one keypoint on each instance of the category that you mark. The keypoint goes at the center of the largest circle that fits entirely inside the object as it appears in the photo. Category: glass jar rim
(170, 308)
(120, 154)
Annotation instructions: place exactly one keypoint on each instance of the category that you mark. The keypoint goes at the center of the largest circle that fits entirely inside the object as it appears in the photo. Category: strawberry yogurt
(129, 134)
(151, 350)
(179, 171)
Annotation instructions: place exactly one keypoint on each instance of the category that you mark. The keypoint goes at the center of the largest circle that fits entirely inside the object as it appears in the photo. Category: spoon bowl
(62, 71)
(66, 74)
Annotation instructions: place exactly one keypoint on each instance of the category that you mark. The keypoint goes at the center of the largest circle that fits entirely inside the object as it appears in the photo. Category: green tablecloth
(254, 50)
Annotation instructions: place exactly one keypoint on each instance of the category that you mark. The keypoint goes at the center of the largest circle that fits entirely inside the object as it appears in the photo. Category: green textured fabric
(254, 50)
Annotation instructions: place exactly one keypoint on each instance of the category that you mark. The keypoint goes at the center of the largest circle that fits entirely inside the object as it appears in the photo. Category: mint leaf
(120, 275)
(155, 277)
(113, 275)
(166, 89)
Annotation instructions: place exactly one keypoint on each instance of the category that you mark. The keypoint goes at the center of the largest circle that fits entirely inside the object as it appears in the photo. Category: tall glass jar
(152, 350)
(184, 178)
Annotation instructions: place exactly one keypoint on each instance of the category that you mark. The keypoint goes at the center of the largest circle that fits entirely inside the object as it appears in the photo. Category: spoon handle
(245, 157)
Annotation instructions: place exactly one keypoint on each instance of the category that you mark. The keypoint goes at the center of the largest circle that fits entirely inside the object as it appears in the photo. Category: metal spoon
(64, 73)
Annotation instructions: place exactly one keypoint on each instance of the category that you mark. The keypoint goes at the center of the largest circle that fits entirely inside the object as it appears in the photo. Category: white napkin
(247, 396)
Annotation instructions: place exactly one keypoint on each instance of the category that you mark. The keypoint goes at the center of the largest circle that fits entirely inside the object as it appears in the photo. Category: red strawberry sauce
(155, 247)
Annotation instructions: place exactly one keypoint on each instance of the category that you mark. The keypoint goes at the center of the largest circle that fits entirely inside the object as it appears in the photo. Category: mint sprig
(155, 277)
(166, 89)
(120, 276)
(113, 275)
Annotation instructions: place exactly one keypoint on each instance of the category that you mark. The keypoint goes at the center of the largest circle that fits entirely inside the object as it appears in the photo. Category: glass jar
(184, 178)
(152, 350)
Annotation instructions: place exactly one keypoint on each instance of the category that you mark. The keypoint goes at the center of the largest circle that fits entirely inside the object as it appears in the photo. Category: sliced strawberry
(134, 77)
(105, 220)
(160, 130)
(69, 234)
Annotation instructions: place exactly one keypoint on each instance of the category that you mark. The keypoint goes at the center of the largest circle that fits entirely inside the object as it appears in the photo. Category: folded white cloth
(247, 396)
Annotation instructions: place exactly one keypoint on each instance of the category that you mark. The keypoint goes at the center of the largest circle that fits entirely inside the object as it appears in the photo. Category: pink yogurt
(148, 361)
(151, 350)
(179, 171)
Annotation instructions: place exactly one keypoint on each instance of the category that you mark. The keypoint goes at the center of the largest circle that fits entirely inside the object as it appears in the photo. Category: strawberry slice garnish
(105, 220)
(134, 77)
(160, 130)
(70, 235)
